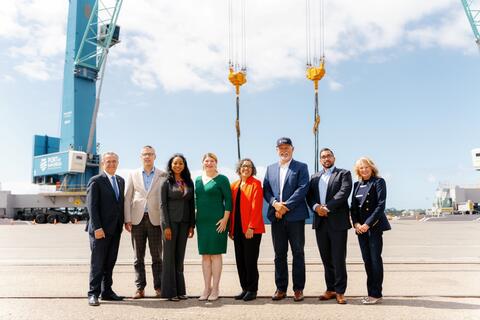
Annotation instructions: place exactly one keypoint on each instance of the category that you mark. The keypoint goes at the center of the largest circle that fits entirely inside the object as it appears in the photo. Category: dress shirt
(283, 175)
(147, 182)
(323, 186)
(111, 181)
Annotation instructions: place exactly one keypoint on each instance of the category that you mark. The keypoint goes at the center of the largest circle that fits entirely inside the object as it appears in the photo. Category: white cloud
(334, 85)
(182, 45)
(7, 78)
(445, 33)
(34, 69)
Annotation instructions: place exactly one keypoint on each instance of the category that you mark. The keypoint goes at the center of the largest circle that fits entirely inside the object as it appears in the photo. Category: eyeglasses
(327, 156)
(246, 166)
(149, 154)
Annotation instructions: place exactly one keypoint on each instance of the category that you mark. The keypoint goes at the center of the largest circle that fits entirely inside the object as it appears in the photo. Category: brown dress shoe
(139, 294)
(341, 299)
(279, 295)
(327, 295)
(298, 295)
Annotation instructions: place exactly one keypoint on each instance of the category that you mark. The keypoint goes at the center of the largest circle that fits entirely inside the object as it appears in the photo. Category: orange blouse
(251, 204)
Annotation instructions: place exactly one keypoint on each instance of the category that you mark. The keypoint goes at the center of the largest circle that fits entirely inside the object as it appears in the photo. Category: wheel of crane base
(20, 215)
(63, 218)
(41, 218)
(28, 216)
(51, 218)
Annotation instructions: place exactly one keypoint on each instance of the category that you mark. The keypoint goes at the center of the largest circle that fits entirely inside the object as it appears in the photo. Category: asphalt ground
(432, 271)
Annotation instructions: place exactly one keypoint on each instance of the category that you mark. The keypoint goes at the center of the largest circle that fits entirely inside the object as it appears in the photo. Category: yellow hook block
(316, 74)
(237, 79)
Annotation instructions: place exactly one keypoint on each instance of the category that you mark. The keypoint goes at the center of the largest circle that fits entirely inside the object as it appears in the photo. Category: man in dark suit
(328, 198)
(284, 188)
(105, 208)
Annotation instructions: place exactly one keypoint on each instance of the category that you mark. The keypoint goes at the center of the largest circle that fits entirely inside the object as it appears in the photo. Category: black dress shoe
(240, 295)
(250, 295)
(113, 297)
(93, 301)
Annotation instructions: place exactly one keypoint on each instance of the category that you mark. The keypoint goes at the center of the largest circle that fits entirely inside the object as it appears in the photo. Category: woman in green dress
(214, 203)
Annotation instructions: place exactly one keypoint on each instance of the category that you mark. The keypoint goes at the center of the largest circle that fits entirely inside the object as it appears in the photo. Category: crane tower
(70, 160)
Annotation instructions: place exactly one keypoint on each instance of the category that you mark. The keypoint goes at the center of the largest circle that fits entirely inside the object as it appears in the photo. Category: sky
(401, 87)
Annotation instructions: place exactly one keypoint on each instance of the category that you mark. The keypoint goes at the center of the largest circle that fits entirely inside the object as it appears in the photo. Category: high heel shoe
(205, 295)
(213, 296)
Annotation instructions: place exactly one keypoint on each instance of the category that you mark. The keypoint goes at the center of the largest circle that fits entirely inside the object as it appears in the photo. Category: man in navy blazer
(105, 208)
(284, 188)
(328, 198)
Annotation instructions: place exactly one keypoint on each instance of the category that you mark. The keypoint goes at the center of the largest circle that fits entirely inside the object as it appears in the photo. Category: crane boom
(472, 10)
(102, 32)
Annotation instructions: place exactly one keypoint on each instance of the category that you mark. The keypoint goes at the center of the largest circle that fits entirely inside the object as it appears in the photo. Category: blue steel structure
(472, 10)
(91, 31)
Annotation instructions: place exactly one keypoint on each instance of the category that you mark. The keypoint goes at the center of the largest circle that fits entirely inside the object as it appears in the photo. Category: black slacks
(332, 245)
(246, 257)
(102, 261)
(173, 280)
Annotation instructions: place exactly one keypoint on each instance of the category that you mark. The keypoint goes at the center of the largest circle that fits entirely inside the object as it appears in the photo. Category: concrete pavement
(432, 271)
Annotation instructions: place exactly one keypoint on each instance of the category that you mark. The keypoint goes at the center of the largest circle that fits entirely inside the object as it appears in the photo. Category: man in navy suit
(328, 198)
(284, 188)
(105, 208)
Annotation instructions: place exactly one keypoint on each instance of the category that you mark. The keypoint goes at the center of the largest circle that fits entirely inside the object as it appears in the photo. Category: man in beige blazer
(142, 219)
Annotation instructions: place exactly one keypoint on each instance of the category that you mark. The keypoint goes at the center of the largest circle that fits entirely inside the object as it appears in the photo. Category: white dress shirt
(283, 175)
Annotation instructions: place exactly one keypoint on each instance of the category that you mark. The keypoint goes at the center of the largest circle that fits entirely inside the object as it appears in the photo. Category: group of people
(165, 208)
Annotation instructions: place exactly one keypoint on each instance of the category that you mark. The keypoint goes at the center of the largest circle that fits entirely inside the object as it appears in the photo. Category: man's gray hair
(148, 147)
(109, 153)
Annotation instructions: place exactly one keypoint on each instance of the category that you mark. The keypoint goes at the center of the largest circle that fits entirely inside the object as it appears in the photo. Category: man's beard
(328, 166)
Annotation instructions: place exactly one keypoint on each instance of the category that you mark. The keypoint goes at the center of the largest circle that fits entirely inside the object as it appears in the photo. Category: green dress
(213, 199)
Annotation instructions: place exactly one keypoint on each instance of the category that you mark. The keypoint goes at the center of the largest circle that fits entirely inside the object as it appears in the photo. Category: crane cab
(476, 158)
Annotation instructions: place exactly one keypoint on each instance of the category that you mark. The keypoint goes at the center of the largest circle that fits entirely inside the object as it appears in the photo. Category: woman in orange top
(246, 227)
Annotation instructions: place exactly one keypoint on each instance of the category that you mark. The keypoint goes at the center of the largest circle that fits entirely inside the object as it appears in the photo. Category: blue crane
(70, 160)
(472, 10)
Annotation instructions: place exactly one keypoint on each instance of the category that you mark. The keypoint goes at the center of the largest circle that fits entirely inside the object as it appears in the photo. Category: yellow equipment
(237, 55)
(315, 22)
(316, 74)
(237, 79)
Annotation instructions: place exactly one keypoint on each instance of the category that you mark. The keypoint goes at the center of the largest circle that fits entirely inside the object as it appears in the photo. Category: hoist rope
(315, 56)
(237, 55)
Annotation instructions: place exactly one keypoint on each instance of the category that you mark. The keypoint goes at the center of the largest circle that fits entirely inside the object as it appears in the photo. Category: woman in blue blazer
(368, 217)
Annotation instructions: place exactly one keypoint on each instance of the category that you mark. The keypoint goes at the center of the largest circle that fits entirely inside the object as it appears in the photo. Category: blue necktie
(115, 187)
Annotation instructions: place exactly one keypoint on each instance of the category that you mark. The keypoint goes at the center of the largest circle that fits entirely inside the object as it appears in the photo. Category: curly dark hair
(185, 174)
(240, 163)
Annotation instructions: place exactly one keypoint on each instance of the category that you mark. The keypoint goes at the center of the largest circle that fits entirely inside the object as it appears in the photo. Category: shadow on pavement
(430, 304)
(193, 302)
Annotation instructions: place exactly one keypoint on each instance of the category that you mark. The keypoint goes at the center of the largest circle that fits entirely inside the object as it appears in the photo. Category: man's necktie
(115, 187)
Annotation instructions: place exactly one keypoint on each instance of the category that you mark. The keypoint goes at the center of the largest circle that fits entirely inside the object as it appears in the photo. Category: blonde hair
(369, 162)
(209, 155)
